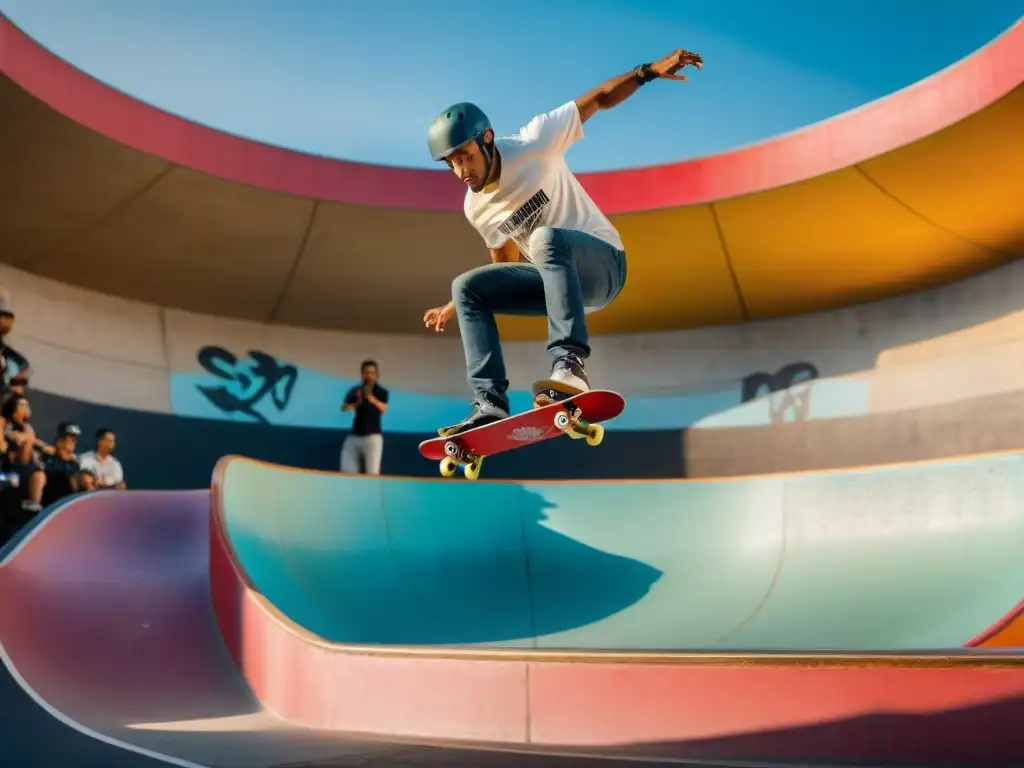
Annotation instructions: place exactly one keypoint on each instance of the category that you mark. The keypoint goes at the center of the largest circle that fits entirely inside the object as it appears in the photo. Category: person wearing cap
(61, 466)
(14, 366)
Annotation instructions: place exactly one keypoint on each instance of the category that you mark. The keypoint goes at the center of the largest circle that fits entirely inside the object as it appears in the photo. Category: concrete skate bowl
(109, 639)
(455, 610)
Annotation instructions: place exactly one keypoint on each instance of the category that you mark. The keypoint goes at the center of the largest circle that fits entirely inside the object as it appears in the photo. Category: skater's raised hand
(438, 317)
(668, 66)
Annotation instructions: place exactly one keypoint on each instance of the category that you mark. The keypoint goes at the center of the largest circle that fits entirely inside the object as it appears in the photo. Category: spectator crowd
(35, 473)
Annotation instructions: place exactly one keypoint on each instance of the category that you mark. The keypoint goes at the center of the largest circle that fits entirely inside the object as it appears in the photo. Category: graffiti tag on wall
(248, 381)
(788, 389)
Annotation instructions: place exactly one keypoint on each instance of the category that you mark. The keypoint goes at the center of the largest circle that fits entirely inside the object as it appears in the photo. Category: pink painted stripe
(930, 716)
(904, 117)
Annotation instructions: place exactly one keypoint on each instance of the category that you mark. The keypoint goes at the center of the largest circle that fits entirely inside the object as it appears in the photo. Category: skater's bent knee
(545, 243)
(462, 286)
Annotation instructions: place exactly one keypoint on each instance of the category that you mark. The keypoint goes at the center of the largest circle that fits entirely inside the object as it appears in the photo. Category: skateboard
(577, 417)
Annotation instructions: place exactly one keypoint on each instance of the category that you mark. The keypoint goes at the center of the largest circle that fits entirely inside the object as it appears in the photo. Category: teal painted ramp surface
(911, 557)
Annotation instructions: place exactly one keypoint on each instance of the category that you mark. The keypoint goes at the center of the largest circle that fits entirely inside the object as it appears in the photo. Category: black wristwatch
(644, 73)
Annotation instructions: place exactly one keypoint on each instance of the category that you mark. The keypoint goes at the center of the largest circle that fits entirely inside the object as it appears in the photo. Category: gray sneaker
(484, 412)
(568, 378)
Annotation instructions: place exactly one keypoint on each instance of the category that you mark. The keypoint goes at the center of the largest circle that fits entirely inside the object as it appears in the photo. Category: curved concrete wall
(920, 556)
(938, 373)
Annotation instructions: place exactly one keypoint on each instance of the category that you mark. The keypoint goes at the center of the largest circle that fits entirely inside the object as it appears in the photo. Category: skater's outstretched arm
(613, 92)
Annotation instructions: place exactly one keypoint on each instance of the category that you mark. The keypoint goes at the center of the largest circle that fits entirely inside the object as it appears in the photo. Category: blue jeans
(571, 271)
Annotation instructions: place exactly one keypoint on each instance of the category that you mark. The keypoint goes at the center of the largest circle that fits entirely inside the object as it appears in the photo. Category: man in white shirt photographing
(524, 201)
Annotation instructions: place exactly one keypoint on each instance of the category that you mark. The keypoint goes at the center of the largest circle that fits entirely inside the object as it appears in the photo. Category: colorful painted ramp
(107, 630)
(106, 625)
(924, 556)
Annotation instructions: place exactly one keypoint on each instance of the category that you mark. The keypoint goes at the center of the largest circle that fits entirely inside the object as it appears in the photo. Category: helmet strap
(488, 152)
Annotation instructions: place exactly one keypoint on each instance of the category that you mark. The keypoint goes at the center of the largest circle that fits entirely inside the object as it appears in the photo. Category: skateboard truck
(455, 455)
(569, 418)
(573, 424)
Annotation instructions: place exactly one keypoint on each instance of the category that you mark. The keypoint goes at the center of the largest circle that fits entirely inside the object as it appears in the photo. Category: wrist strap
(645, 74)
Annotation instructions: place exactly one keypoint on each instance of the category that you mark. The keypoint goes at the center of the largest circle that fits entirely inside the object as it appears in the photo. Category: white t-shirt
(108, 471)
(536, 188)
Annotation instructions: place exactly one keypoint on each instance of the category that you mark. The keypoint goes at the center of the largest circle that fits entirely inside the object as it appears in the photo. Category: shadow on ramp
(904, 557)
(374, 561)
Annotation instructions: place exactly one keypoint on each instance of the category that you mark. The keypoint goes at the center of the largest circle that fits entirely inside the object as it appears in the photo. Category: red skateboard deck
(578, 417)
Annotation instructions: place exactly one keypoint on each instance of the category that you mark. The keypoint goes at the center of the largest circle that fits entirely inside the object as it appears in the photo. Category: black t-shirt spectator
(367, 417)
(59, 473)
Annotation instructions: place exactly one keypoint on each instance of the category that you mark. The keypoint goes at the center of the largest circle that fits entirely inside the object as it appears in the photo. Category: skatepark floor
(31, 736)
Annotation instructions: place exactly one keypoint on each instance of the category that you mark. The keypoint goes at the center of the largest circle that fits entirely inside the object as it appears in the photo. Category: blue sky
(362, 80)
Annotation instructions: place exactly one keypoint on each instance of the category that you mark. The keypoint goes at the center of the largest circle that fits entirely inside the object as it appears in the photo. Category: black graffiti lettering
(267, 376)
(782, 379)
(783, 387)
(528, 210)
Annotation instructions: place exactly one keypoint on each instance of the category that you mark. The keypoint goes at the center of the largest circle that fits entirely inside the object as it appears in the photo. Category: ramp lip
(227, 459)
(38, 523)
(972, 83)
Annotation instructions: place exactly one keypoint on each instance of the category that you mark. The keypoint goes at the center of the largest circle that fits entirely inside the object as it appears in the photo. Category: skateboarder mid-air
(524, 201)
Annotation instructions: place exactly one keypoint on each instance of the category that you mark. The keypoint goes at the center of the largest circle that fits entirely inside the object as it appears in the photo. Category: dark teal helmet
(455, 126)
